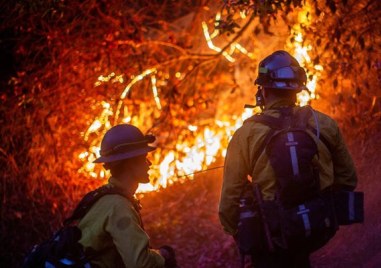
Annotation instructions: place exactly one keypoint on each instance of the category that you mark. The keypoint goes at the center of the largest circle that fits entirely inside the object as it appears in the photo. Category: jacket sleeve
(344, 168)
(234, 182)
(131, 241)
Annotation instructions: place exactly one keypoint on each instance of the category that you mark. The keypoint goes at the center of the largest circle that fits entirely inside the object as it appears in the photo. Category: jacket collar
(119, 185)
(114, 182)
(279, 104)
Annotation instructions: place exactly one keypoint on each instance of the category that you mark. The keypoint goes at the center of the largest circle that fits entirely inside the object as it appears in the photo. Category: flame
(301, 53)
(198, 146)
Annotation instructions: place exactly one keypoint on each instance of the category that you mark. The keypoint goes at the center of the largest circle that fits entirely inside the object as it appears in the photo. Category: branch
(239, 34)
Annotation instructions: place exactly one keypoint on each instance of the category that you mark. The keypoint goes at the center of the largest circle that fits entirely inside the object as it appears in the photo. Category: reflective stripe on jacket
(335, 164)
(114, 228)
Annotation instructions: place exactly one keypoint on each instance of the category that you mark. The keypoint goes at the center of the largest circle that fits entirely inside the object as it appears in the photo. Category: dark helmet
(122, 142)
(281, 71)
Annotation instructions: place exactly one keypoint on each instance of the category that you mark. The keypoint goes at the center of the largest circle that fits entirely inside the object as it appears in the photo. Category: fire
(301, 53)
(200, 146)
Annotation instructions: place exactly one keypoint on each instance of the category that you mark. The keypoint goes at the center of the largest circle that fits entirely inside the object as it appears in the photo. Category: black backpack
(301, 216)
(63, 249)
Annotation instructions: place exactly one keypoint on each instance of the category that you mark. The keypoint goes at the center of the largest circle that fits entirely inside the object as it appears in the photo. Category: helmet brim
(126, 155)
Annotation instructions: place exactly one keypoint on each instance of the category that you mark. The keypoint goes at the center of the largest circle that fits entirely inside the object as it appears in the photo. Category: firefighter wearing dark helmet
(253, 152)
(113, 226)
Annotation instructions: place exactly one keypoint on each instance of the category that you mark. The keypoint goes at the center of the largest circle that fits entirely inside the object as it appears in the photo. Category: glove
(169, 255)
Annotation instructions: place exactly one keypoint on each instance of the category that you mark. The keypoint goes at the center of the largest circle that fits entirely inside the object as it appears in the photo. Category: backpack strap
(322, 139)
(92, 197)
(270, 121)
(274, 124)
(303, 116)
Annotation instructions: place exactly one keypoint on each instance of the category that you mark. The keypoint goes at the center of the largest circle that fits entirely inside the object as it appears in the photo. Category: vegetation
(54, 52)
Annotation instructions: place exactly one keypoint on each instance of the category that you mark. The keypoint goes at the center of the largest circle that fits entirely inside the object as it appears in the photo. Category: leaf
(358, 91)
(337, 34)
(340, 97)
(361, 42)
(257, 30)
(318, 12)
(332, 6)
(316, 60)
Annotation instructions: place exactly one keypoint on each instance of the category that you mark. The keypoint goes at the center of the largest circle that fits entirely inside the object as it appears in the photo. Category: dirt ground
(185, 217)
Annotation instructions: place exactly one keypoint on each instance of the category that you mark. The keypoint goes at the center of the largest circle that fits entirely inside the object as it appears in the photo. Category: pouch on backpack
(311, 224)
(349, 207)
(61, 251)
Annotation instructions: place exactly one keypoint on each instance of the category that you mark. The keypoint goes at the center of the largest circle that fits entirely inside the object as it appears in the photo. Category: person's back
(247, 153)
(336, 165)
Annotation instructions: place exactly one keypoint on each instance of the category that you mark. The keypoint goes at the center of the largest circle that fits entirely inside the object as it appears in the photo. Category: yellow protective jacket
(113, 228)
(335, 164)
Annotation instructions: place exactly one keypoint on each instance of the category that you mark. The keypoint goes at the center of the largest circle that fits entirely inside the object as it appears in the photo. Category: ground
(185, 217)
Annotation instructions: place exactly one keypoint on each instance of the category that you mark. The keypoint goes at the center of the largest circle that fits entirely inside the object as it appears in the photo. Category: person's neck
(126, 184)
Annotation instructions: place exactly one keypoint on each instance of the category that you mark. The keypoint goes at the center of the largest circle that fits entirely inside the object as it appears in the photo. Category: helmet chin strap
(259, 100)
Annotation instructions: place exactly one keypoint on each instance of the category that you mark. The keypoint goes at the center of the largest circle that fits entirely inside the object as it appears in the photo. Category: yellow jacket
(335, 165)
(114, 228)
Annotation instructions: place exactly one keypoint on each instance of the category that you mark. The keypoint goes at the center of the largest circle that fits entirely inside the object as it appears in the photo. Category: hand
(169, 255)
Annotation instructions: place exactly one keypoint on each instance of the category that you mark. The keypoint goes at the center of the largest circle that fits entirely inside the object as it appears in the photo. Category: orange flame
(301, 53)
(208, 142)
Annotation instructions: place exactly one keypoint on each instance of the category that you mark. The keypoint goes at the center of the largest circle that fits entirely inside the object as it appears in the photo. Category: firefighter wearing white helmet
(292, 155)
(113, 228)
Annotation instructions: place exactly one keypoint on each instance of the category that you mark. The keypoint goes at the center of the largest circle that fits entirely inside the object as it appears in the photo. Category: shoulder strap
(274, 124)
(304, 114)
(322, 138)
(270, 121)
(301, 117)
(92, 197)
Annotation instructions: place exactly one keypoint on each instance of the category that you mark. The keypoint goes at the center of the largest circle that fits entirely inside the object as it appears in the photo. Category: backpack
(301, 216)
(63, 249)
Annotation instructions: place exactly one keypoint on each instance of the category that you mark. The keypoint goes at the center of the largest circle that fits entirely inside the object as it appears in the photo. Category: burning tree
(182, 70)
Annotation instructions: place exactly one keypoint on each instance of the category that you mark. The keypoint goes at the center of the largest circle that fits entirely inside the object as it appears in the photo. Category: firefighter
(113, 227)
(280, 78)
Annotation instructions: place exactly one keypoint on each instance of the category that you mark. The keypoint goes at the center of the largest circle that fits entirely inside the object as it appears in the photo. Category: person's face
(139, 168)
(135, 172)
